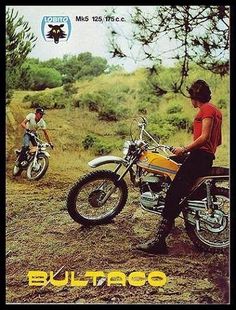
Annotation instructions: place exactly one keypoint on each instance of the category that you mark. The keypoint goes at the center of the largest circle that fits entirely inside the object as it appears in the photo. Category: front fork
(113, 188)
(34, 165)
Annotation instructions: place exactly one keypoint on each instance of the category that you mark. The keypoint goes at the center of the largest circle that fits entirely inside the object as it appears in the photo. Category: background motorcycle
(37, 160)
(100, 195)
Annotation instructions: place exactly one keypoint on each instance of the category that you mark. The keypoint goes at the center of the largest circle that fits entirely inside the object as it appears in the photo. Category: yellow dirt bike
(99, 196)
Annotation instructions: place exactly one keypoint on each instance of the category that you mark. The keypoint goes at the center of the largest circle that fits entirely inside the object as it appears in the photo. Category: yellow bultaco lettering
(116, 277)
(157, 278)
(137, 278)
(37, 278)
(58, 282)
(77, 282)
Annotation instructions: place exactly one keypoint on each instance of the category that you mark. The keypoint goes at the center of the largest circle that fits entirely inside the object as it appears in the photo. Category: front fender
(45, 153)
(103, 160)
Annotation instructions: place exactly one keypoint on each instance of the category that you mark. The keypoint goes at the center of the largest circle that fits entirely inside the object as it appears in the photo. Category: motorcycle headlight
(126, 147)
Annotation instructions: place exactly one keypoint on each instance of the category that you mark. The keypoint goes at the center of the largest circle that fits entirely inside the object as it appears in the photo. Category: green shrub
(222, 104)
(161, 131)
(143, 107)
(93, 101)
(26, 98)
(102, 148)
(70, 89)
(51, 100)
(76, 103)
(44, 77)
(175, 108)
(112, 113)
(46, 101)
(122, 131)
(89, 141)
(179, 121)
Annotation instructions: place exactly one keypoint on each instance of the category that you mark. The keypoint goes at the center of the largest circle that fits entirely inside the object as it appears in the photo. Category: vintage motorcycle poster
(98, 104)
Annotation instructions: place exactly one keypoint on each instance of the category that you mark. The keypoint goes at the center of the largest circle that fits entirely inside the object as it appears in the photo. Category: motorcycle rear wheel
(217, 240)
(84, 199)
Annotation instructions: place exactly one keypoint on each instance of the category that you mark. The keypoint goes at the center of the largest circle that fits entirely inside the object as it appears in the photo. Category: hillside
(40, 235)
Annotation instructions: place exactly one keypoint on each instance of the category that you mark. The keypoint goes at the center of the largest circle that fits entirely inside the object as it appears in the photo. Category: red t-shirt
(209, 110)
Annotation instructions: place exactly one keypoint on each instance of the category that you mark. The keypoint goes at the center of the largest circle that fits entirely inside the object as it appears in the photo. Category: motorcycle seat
(219, 171)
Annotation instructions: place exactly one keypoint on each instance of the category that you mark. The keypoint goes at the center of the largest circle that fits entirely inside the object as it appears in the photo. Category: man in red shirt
(206, 138)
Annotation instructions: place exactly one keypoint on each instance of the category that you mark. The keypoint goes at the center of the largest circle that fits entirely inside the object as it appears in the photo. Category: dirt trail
(40, 235)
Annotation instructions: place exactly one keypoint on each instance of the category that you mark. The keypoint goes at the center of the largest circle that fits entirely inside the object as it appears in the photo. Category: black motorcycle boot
(158, 245)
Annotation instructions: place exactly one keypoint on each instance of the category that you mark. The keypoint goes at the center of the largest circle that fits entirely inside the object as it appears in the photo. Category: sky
(86, 36)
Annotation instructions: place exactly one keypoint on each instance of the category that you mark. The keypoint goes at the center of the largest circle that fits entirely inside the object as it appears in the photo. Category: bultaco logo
(56, 28)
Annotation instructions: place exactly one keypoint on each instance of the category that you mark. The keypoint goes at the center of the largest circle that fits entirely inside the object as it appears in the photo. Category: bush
(102, 148)
(70, 89)
(88, 141)
(179, 121)
(111, 113)
(93, 101)
(122, 131)
(161, 131)
(44, 77)
(26, 98)
(47, 100)
(222, 104)
(176, 108)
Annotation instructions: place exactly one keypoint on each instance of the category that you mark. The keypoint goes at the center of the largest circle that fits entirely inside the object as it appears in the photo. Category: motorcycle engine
(153, 191)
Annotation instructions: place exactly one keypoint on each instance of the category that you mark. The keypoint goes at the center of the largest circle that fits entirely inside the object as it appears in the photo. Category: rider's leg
(179, 188)
(25, 147)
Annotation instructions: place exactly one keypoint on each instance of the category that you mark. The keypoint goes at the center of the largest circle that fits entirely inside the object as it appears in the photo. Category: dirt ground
(40, 235)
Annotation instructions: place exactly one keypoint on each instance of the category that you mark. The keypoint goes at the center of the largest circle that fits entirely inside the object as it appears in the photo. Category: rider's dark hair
(39, 110)
(200, 91)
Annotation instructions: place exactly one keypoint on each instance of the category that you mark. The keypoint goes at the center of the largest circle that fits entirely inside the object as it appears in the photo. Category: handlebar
(163, 147)
(39, 141)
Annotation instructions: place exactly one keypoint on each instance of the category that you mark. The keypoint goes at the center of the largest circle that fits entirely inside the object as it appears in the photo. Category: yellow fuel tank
(156, 163)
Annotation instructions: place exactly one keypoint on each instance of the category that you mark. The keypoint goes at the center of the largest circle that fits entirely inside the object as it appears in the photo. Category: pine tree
(198, 34)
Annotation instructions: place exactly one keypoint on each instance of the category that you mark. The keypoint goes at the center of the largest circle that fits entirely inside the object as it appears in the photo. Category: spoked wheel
(97, 198)
(214, 233)
(37, 171)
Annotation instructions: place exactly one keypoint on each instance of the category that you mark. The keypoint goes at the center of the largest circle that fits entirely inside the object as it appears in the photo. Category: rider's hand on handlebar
(178, 151)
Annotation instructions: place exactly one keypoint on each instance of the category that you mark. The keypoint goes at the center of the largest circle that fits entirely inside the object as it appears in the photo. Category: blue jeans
(26, 143)
(27, 139)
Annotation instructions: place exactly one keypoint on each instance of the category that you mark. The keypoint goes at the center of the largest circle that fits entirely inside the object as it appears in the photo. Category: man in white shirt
(31, 124)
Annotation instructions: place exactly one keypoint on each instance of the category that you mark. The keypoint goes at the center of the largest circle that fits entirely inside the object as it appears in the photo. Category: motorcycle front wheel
(36, 172)
(97, 198)
(214, 236)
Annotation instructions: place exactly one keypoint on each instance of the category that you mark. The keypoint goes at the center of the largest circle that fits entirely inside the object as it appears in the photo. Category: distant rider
(31, 124)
